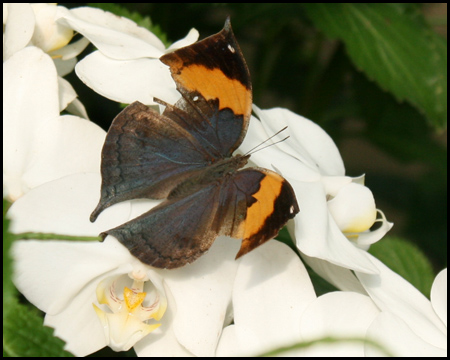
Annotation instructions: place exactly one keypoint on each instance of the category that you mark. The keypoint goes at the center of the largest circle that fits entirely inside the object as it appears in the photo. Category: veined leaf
(25, 335)
(403, 55)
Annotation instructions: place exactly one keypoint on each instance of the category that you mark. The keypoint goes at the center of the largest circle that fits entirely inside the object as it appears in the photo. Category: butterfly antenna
(287, 137)
(252, 150)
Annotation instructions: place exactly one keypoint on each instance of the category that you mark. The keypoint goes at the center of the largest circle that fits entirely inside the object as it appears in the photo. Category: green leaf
(395, 128)
(23, 330)
(25, 335)
(393, 47)
(8, 287)
(406, 260)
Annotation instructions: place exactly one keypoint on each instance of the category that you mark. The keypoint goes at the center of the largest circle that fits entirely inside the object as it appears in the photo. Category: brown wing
(252, 204)
(271, 202)
(146, 154)
(213, 78)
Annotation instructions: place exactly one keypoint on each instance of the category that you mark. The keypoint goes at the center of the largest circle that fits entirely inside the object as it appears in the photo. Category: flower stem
(324, 341)
(49, 236)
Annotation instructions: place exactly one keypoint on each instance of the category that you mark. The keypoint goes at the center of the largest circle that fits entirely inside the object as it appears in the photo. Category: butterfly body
(185, 155)
(215, 173)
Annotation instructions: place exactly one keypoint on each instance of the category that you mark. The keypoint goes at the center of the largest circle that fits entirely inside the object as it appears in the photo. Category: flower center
(129, 309)
(353, 208)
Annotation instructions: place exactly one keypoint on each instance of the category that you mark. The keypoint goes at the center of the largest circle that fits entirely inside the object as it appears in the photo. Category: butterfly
(185, 156)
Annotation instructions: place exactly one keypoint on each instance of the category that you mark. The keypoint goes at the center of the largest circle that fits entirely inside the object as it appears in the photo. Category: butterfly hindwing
(165, 237)
(252, 205)
(272, 204)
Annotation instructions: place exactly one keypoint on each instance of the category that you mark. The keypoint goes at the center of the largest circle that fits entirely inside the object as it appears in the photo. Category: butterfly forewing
(213, 78)
(144, 156)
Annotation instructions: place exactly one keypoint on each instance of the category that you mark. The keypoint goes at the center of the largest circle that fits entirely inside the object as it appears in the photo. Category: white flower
(64, 279)
(278, 308)
(39, 145)
(271, 290)
(126, 66)
(26, 25)
(336, 211)
(275, 305)
(36, 25)
(97, 294)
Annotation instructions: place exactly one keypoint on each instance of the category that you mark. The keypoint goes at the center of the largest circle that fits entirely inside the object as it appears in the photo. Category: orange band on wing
(270, 188)
(214, 84)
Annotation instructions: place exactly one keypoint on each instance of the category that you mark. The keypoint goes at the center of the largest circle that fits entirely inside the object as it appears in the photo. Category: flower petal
(202, 293)
(332, 184)
(353, 208)
(76, 322)
(64, 67)
(77, 108)
(341, 315)
(63, 206)
(341, 277)
(316, 233)
(57, 276)
(198, 298)
(117, 37)
(371, 237)
(127, 81)
(392, 293)
(232, 342)
(439, 295)
(189, 39)
(70, 51)
(162, 342)
(48, 34)
(18, 29)
(67, 146)
(397, 337)
(29, 77)
(67, 93)
(271, 290)
(308, 141)
(272, 157)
